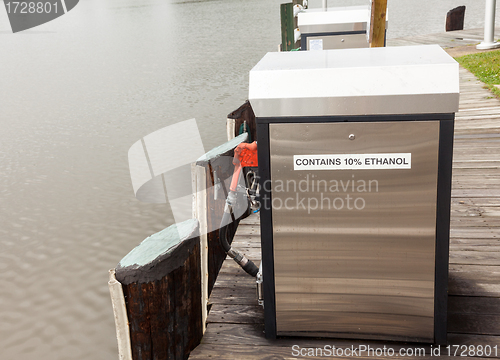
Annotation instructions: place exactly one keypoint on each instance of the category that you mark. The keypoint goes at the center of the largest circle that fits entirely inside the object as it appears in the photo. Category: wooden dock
(449, 39)
(235, 323)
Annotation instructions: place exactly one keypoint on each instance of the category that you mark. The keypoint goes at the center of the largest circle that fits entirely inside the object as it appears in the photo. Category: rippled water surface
(75, 94)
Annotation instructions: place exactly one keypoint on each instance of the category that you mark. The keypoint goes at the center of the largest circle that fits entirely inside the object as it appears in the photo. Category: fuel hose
(238, 257)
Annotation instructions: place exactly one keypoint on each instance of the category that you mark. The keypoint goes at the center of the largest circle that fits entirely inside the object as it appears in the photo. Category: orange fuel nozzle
(245, 155)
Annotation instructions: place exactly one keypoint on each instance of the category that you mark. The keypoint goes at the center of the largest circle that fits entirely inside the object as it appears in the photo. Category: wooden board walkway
(235, 322)
(449, 39)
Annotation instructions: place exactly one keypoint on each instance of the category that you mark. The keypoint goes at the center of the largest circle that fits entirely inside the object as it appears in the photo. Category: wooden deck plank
(229, 296)
(449, 39)
(235, 324)
(240, 314)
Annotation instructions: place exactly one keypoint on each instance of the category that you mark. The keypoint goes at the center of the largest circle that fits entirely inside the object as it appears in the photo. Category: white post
(230, 125)
(199, 183)
(325, 5)
(121, 318)
(489, 27)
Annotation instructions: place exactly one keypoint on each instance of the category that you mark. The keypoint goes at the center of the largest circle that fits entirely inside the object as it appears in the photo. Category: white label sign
(352, 161)
(316, 44)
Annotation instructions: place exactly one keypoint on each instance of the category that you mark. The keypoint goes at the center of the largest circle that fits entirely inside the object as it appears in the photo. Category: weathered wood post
(162, 292)
(288, 26)
(455, 19)
(377, 24)
(238, 117)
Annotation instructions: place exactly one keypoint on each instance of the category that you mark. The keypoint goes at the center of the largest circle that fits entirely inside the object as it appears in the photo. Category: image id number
(471, 350)
(31, 7)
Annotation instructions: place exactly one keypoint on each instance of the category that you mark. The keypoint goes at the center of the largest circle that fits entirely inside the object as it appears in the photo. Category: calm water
(75, 94)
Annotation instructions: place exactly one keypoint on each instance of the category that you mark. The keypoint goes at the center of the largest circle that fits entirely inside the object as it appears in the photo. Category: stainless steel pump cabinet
(355, 156)
(336, 28)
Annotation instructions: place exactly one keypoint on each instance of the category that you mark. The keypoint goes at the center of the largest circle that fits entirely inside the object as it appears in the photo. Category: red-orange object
(245, 155)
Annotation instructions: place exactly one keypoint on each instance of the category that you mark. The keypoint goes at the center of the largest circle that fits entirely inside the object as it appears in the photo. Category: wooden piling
(238, 117)
(377, 24)
(287, 28)
(455, 19)
(161, 286)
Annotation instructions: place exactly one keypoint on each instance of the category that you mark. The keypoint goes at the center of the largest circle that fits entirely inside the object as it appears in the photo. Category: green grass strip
(485, 66)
